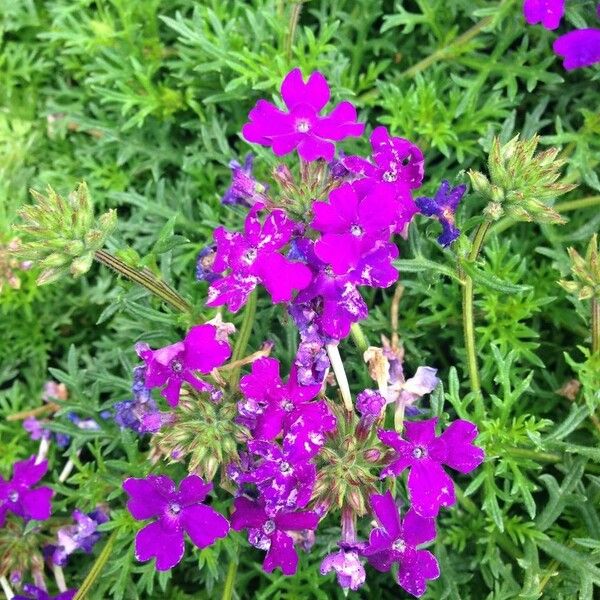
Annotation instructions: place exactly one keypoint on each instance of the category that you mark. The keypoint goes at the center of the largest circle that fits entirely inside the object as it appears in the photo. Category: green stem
(243, 338)
(230, 581)
(293, 26)
(359, 337)
(146, 279)
(595, 325)
(468, 320)
(96, 569)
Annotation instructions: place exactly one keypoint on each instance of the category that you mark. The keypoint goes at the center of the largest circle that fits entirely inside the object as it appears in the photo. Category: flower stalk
(8, 592)
(595, 325)
(242, 340)
(340, 374)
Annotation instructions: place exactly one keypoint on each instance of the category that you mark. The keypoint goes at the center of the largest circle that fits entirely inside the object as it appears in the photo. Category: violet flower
(18, 495)
(579, 48)
(370, 405)
(302, 127)
(442, 206)
(429, 486)
(83, 535)
(547, 12)
(171, 366)
(396, 541)
(35, 593)
(204, 264)
(354, 219)
(252, 258)
(244, 188)
(177, 511)
(272, 533)
(347, 566)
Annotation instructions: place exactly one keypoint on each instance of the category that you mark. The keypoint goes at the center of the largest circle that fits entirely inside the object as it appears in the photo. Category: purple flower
(171, 366)
(351, 222)
(579, 48)
(176, 512)
(428, 484)
(396, 541)
(398, 165)
(204, 264)
(36, 429)
(443, 206)
(35, 593)
(18, 496)
(244, 188)
(284, 480)
(253, 258)
(547, 12)
(271, 533)
(370, 405)
(82, 535)
(302, 127)
(272, 406)
(347, 566)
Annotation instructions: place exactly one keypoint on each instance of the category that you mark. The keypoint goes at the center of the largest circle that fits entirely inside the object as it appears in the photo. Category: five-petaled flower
(302, 127)
(547, 12)
(172, 366)
(177, 511)
(18, 495)
(429, 486)
(396, 541)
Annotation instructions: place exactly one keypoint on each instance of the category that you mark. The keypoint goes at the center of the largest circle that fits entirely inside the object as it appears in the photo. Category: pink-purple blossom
(32, 592)
(302, 126)
(547, 12)
(429, 486)
(244, 188)
(579, 48)
(272, 532)
(18, 495)
(396, 540)
(253, 257)
(172, 366)
(347, 565)
(176, 512)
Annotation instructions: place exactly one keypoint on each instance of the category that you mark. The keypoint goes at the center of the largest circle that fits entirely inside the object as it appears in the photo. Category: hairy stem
(293, 26)
(229, 587)
(595, 325)
(97, 568)
(243, 338)
(340, 374)
(146, 279)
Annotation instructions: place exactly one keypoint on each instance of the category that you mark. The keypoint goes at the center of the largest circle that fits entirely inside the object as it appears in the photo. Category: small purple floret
(547, 12)
(579, 48)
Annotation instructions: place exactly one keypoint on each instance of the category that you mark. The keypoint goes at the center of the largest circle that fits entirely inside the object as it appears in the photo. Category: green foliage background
(145, 100)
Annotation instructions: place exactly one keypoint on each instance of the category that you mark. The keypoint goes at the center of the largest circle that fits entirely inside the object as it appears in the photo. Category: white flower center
(399, 546)
(174, 508)
(13, 496)
(302, 126)
(390, 176)
(356, 230)
(269, 527)
(176, 366)
(419, 452)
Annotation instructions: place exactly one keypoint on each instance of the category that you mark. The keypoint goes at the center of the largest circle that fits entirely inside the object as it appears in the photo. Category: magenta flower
(353, 220)
(347, 566)
(176, 512)
(370, 405)
(172, 366)
(252, 258)
(547, 12)
(35, 593)
(272, 533)
(396, 541)
(302, 127)
(18, 496)
(443, 206)
(579, 48)
(244, 189)
(429, 486)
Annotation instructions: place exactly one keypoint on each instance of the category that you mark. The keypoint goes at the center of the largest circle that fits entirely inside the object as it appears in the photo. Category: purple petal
(281, 554)
(461, 454)
(154, 541)
(193, 489)
(386, 511)
(580, 48)
(281, 276)
(37, 503)
(203, 351)
(296, 521)
(27, 472)
(379, 542)
(417, 530)
(204, 524)
(414, 572)
(421, 433)
(314, 92)
(172, 390)
(148, 497)
(429, 488)
(247, 514)
(232, 290)
(547, 12)
(395, 441)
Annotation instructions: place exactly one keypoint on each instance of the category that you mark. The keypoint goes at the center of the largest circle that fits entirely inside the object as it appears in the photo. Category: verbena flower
(177, 511)
(398, 165)
(18, 495)
(547, 12)
(396, 540)
(83, 535)
(347, 565)
(370, 405)
(204, 264)
(302, 127)
(272, 533)
(253, 257)
(579, 48)
(244, 188)
(171, 366)
(354, 219)
(429, 486)
(32, 592)
(442, 206)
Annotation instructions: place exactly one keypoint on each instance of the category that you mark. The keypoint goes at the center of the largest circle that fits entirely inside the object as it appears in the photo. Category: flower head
(429, 486)
(20, 497)
(348, 567)
(171, 366)
(272, 533)
(396, 540)
(302, 127)
(244, 188)
(585, 272)
(443, 206)
(177, 511)
(35, 593)
(252, 257)
(547, 12)
(204, 264)
(579, 48)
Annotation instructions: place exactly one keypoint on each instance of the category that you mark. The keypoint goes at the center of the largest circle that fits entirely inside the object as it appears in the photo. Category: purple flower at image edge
(547, 12)
(176, 511)
(35, 593)
(429, 486)
(579, 48)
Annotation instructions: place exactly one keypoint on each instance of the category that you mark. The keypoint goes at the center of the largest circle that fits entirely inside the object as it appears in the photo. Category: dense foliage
(145, 101)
